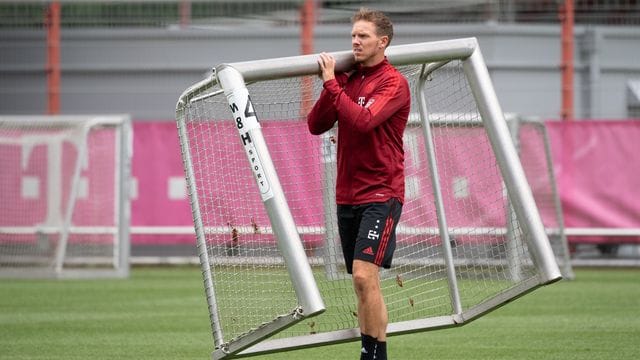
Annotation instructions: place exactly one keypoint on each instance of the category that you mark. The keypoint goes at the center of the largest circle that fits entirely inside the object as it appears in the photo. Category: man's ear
(384, 41)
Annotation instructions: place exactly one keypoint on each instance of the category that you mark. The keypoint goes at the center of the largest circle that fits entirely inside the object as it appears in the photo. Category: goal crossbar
(260, 70)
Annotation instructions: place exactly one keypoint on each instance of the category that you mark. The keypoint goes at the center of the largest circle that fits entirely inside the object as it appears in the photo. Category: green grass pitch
(160, 313)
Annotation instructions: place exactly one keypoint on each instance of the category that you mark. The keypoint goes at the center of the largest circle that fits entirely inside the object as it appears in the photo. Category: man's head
(371, 34)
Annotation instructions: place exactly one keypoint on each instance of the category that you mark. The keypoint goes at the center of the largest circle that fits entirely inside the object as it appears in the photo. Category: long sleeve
(371, 107)
(323, 114)
(389, 96)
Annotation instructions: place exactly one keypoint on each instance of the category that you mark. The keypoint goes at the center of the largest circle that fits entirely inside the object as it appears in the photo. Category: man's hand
(327, 66)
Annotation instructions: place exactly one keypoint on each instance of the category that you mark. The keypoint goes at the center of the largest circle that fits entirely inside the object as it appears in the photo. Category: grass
(161, 313)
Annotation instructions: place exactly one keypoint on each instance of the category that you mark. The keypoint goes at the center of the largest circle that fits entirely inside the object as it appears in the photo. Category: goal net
(263, 199)
(531, 139)
(65, 205)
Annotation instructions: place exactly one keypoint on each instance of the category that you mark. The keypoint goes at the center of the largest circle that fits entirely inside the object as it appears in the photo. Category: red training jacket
(371, 106)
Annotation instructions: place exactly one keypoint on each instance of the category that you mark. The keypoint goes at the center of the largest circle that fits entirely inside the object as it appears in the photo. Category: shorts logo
(361, 100)
(368, 251)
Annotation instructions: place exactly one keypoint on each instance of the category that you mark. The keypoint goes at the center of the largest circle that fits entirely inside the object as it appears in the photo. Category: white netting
(251, 283)
(535, 154)
(44, 180)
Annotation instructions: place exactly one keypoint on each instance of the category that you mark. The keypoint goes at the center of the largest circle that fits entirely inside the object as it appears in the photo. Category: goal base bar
(230, 349)
(399, 328)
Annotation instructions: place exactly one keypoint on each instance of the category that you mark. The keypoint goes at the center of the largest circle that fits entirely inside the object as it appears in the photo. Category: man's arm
(322, 116)
(390, 96)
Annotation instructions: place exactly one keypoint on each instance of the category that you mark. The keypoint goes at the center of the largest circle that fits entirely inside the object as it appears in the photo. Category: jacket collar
(366, 70)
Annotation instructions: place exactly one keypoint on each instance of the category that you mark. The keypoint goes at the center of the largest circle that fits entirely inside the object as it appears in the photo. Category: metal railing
(189, 13)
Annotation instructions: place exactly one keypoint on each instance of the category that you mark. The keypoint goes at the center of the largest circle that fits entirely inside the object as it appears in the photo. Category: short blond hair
(384, 27)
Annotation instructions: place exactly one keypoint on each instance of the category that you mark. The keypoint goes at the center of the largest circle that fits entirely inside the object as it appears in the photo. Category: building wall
(142, 72)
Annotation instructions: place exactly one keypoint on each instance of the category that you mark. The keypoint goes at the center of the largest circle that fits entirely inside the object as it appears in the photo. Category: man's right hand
(327, 66)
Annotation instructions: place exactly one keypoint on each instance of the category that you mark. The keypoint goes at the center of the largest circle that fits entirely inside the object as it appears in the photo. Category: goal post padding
(262, 193)
(65, 205)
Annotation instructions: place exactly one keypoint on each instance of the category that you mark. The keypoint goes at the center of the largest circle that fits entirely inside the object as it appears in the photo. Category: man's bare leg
(372, 311)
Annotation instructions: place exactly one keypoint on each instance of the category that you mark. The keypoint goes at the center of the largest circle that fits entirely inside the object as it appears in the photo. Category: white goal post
(532, 142)
(469, 240)
(65, 209)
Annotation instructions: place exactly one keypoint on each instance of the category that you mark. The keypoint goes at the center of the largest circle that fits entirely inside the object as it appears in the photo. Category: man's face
(367, 47)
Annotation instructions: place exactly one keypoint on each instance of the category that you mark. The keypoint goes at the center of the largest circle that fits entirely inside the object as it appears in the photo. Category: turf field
(160, 313)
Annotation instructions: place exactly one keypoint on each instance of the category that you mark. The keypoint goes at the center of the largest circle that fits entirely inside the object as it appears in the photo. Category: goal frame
(560, 245)
(118, 266)
(233, 78)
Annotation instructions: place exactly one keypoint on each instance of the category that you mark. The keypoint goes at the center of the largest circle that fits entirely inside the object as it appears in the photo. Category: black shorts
(368, 232)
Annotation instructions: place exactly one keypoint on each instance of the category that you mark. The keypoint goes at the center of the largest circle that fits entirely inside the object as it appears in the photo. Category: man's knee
(365, 277)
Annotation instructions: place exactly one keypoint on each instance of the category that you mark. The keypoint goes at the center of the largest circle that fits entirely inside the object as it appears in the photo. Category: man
(371, 105)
